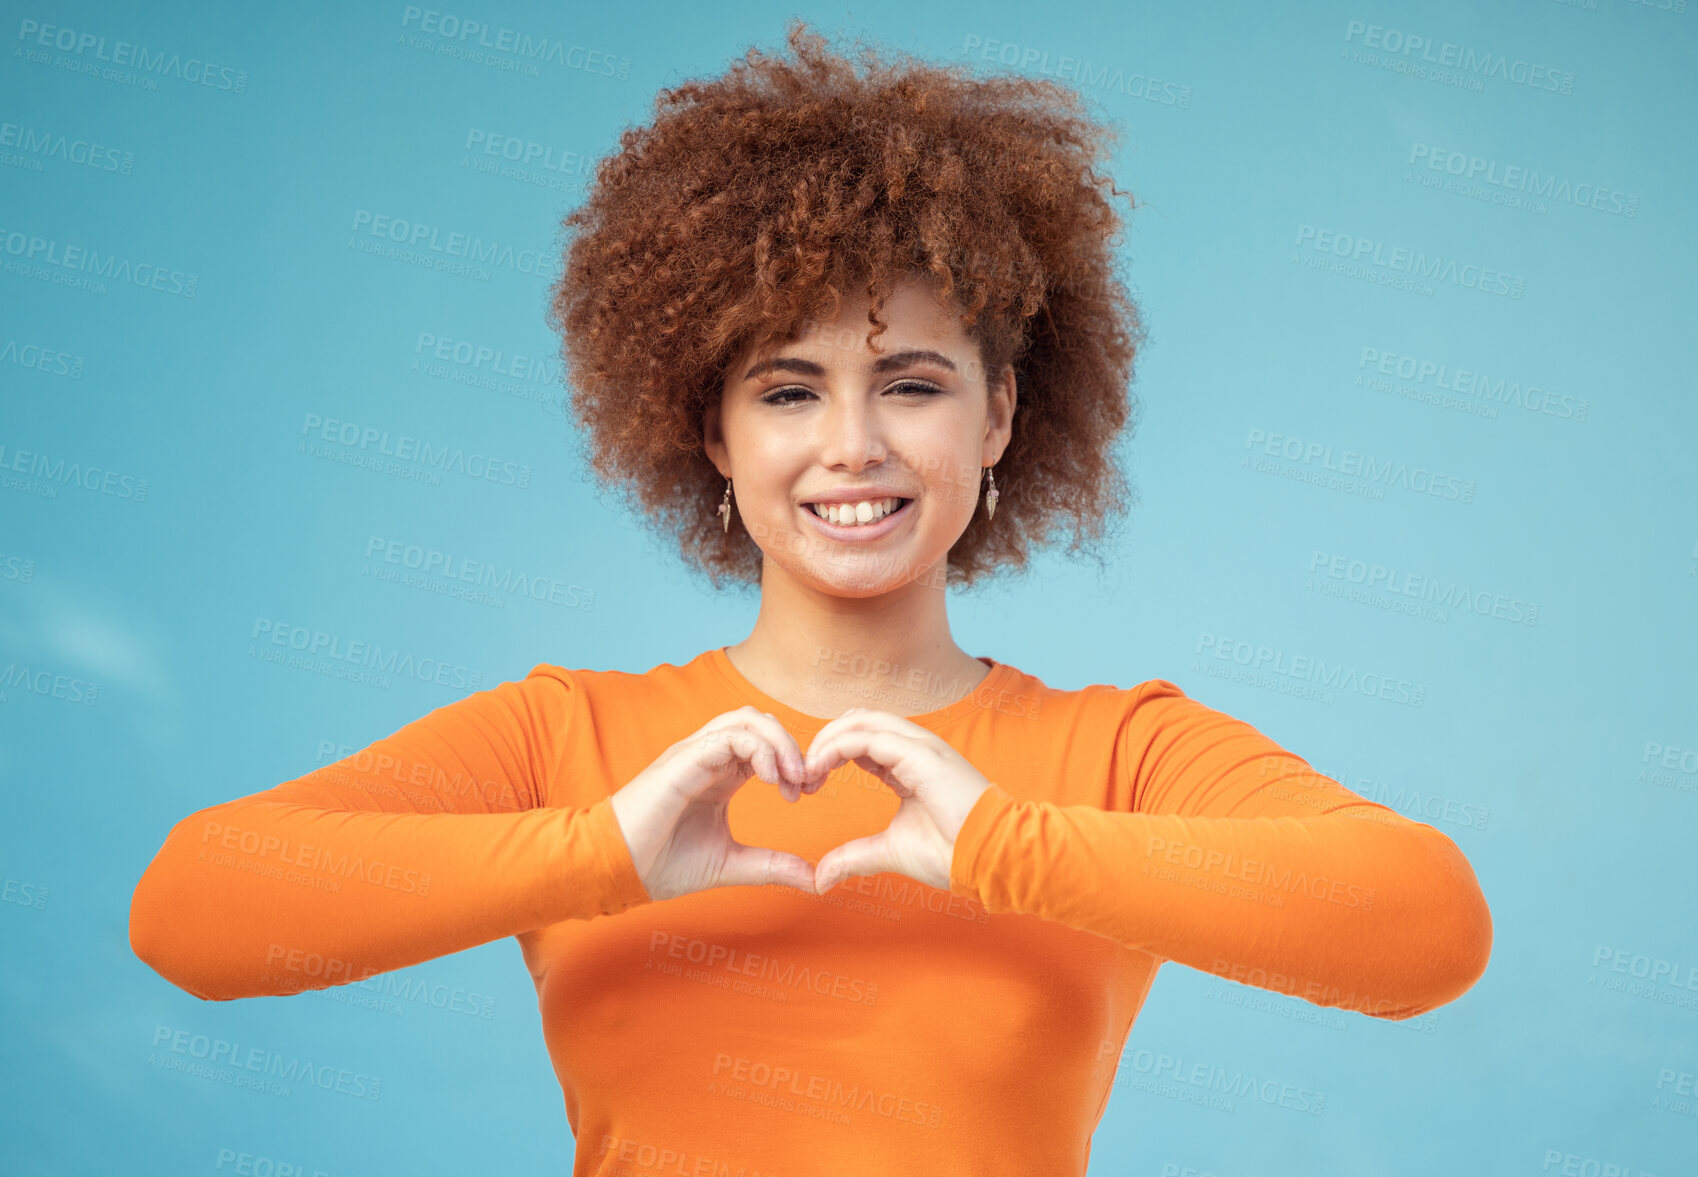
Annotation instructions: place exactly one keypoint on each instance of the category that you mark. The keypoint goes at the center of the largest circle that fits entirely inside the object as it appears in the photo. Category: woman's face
(825, 417)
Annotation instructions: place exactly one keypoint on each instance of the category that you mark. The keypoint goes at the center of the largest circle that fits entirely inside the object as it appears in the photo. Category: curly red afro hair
(754, 199)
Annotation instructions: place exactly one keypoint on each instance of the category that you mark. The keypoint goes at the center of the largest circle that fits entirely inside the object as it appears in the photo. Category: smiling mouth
(860, 514)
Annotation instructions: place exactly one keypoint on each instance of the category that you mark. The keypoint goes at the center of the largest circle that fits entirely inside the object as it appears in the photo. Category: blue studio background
(1446, 240)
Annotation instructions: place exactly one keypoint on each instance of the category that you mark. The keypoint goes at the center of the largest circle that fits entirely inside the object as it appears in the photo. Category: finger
(861, 718)
(729, 756)
(753, 748)
(874, 768)
(860, 856)
(893, 751)
(769, 766)
(785, 749)
(851, 717)
(755, 866)
(873, 717)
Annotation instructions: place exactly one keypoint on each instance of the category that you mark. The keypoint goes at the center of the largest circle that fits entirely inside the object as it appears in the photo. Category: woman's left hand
(938, 787)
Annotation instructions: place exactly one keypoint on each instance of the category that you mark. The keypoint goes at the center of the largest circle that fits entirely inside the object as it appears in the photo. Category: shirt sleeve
(1224, 852)
(437, 838)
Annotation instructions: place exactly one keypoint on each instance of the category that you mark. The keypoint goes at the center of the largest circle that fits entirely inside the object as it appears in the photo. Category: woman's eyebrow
(900, 359)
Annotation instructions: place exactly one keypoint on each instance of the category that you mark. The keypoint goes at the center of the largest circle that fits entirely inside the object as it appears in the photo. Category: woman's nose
(853, 434)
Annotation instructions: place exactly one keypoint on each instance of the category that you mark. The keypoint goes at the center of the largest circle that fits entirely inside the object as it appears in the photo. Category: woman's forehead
(914, 323)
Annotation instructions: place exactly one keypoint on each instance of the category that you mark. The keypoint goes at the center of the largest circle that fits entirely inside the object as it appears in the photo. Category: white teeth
(855, 514)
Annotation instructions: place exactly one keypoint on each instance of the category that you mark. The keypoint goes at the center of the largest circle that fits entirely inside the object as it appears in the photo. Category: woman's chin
(854, 572)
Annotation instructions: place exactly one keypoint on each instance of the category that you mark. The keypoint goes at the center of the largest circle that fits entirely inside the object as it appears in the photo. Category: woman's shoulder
(1013, 690)
(1092, 693)
(663, 680)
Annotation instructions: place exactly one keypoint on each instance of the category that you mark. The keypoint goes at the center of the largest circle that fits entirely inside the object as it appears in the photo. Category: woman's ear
(999, 422)
(713, 437)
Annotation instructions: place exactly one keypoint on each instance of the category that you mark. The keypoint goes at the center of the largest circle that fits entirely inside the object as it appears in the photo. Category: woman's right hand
(673, 813)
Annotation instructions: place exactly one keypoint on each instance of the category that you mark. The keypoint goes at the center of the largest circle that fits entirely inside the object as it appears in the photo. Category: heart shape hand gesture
(674, 813)
(938, 787)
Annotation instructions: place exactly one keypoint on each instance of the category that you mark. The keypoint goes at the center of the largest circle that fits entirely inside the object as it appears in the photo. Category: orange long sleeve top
(886, 1027)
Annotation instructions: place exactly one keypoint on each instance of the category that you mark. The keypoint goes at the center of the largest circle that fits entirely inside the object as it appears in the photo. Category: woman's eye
(784, 396)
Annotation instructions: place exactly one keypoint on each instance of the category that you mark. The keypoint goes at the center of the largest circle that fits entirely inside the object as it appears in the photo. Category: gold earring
(990, 495)
(724, 511)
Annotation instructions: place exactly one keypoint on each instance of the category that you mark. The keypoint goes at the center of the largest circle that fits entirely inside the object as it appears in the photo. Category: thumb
(861, 856)
(755, 866)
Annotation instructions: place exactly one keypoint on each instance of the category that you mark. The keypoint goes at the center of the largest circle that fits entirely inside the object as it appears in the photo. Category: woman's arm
(1235, 857)
(435, 839)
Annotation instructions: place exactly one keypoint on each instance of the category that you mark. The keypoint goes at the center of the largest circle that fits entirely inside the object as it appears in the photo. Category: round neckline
(996, 680)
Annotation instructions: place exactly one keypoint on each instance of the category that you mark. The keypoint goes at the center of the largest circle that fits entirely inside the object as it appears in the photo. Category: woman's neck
(823, 653)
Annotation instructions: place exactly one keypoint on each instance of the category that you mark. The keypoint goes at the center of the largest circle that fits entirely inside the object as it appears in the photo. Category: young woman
(856, 339)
